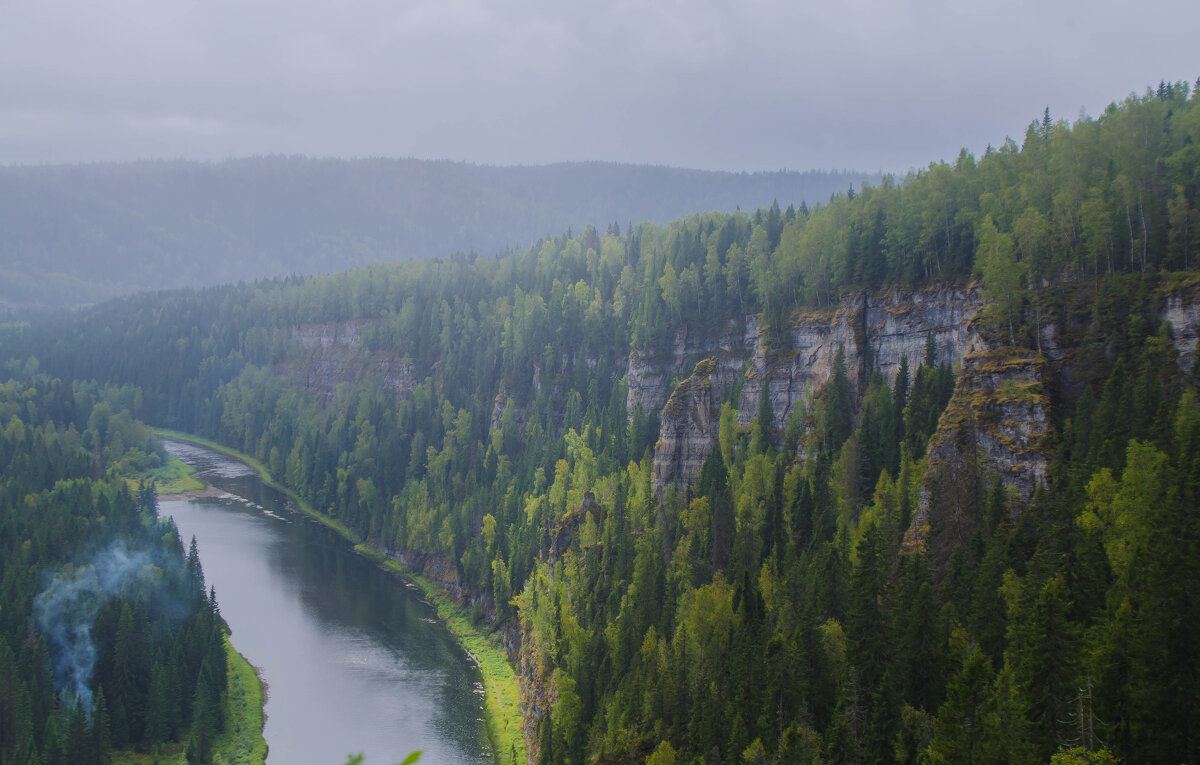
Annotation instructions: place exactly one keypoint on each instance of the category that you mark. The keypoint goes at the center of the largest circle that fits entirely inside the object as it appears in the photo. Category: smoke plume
(66, 612)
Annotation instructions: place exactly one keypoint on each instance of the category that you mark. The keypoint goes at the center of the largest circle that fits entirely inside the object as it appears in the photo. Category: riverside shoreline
(502, 712)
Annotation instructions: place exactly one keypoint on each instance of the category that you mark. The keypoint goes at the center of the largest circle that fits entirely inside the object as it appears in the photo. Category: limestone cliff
(995, 425)
(873, 330)
(898, 321)
(689, 426)
(1183, 311)
(537, 689)
(334, 352)
(997, 421)
(647, 375)
(805, 364)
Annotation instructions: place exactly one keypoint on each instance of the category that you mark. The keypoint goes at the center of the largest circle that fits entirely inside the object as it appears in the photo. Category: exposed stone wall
(806, 364)
(332, 353)
(1183, 311)
(688, 431)
(999, 410)
(898, 321)
(647, 377)
(873, 331)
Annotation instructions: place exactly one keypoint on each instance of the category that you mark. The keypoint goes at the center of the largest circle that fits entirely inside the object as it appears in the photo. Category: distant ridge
(74, 234)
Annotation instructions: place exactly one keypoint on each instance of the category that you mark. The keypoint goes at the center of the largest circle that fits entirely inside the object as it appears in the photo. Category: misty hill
(910, 476)
(79, 233)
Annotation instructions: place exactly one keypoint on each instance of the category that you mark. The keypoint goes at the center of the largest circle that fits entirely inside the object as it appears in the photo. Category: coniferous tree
(714, 484)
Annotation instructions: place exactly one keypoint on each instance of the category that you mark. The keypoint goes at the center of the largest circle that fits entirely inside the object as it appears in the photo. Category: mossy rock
(705, 368)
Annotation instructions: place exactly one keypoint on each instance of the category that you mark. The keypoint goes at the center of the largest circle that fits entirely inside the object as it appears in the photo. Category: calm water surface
(353, 659)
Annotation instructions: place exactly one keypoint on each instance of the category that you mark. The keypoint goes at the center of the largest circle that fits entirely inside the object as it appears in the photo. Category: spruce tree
(714, 484)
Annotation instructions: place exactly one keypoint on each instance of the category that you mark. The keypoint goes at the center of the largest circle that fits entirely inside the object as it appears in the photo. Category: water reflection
(353, 659)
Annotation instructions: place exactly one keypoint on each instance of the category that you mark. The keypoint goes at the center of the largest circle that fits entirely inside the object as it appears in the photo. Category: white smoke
(66, 612)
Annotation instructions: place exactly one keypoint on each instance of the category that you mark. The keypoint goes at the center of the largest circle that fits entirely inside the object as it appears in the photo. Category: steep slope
(996, 426)
(332, 353)
(874, 332)
(772, 611)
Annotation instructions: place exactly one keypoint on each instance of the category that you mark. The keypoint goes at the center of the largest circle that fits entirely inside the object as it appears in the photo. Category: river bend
(354, 659)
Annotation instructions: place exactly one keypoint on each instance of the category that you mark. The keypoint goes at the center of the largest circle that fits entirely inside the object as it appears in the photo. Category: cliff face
(996, 420)
(874, 331)
(805, 364)
(538, 691)
(1183, 311)
(897, 323)
(332, 353)
(647, 377)
(690, 421)
(994, 426)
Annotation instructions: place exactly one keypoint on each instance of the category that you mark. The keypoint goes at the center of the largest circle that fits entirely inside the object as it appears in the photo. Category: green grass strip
(502, 701)
(502, 705)
(242, 741)
(175, 477)
(263, 474)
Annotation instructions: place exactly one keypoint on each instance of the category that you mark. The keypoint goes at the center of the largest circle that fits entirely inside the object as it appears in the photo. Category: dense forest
(80, 233)
(771, 610)
(108, 639)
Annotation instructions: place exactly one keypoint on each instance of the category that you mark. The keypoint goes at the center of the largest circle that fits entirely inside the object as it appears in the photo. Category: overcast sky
(732, 85)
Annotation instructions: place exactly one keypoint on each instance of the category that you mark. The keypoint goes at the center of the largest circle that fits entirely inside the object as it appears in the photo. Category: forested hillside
(82, 233)
(864, 566)
(108, 639)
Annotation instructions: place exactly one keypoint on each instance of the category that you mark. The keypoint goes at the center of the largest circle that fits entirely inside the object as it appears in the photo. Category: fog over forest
(74, 234)
(638, 383)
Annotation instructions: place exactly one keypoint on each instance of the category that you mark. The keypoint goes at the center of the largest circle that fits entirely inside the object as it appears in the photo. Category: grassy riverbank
(264, 475)
(175, 477)
(502, 706)
(242, 741)
(502, 702)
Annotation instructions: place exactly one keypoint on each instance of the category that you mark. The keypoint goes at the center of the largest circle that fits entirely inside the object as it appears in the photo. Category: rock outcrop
(647, 376)
(1183, 311)
(873, 332)
(690, 421)
(537, 690)
(565, 534)
(332, 353)
(994, 426)
(899, 322)
(788, 374)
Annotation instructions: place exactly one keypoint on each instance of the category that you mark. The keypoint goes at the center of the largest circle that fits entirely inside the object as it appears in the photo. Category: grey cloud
(760, 84)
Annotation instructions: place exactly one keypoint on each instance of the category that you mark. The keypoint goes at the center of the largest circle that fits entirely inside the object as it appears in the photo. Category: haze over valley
(533, 448)
(80, 233)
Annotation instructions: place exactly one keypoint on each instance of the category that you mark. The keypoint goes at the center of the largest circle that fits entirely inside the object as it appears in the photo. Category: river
(354, 659)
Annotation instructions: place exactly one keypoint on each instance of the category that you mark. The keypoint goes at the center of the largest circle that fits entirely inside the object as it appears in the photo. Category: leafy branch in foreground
(357, 759)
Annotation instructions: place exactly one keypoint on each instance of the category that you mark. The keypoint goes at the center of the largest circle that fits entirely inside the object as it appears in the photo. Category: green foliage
(358, 759)
(77, 234)
(773, 611)
(996, 259)
(77, 547)
(1077, 755)
(664, 754)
